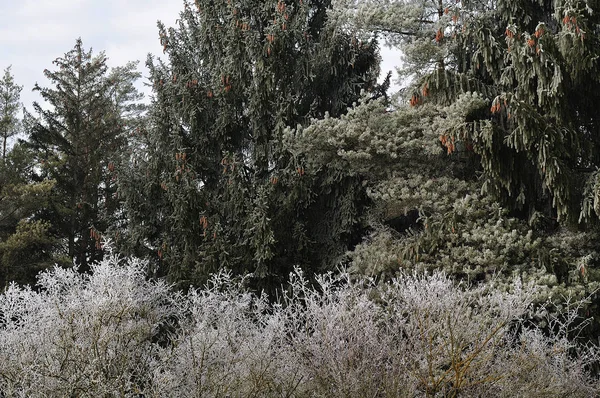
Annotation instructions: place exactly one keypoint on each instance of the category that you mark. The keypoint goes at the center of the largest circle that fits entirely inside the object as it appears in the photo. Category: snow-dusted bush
(426, 336)
(417, 336)
(420, 335)
(232, 344)
(82, 335)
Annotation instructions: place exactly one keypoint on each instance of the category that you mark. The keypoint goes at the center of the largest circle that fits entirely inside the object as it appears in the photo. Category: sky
(35, 32)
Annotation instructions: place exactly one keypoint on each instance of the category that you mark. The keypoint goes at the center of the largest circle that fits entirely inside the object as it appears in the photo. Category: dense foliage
(492, 143)
(76, 143)
(26, 246)
(532, 65)
(211, 183)
(103, 334)
(471, 199)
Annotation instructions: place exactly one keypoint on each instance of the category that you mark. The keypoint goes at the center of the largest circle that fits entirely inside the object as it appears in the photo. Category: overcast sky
(35, 32)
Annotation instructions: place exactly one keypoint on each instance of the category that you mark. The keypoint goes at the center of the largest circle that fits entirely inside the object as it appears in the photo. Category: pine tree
(533, 62)
(10, 93)
(459, 179)
(223, 191)
(26, 245)
(78, 142)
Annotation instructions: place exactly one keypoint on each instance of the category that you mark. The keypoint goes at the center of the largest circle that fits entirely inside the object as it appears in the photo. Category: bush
(420, 335)
(82, 335)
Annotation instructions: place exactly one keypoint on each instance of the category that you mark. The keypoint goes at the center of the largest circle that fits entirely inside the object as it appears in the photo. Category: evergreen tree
(435, 166)
(127, 103)
(214, 187)
(26, 245)
(10, 93)
(534, 65)
(78, 142)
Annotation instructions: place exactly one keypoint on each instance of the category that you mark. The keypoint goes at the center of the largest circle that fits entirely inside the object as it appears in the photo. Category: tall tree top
(10, 95)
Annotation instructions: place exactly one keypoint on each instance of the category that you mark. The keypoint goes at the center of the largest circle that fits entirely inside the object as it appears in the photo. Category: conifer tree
(26, 244)
(534, 65)
(78, 142)
(224, 192)
(10, 93)
(435, 166)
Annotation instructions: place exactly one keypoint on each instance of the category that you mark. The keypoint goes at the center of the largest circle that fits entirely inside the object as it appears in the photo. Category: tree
(532, 62)
(224, 191)
(78, 143)
(459, 179)
(10, 93)
(26, 244)
(127, 103)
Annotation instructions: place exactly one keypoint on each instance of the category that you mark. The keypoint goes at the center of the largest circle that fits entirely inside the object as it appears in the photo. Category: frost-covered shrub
(416, 336)
(102, 335)
(426, 336)
(339, 335)
(82, 335)
(232, 343)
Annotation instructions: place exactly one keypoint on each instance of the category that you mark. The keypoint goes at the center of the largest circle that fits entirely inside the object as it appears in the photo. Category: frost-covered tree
(428, 212)
(480, 166)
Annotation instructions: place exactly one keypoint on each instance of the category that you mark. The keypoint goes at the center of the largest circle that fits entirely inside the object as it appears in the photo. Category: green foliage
(25, 252)
(26, 245)
(78, 142)
(531, 62)
(213, 184)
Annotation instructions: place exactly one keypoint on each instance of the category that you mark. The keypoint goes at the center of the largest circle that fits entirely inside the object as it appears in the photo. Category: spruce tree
(214, 186)
(78, 142)
(10, 93)
(459, 178)
(534, 65)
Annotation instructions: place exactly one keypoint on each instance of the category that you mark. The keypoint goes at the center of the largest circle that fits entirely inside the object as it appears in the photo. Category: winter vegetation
(282, 226)
(113, 333)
